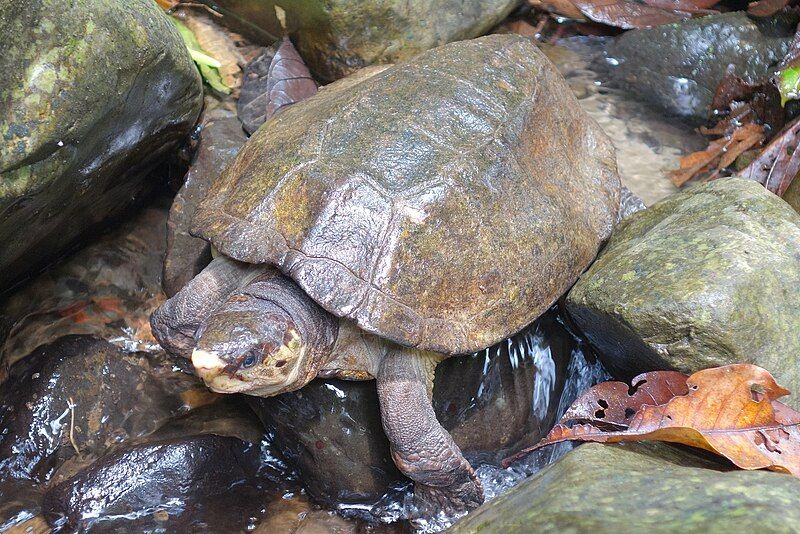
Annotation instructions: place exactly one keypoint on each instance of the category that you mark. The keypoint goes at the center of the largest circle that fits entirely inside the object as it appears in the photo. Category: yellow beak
(206, 364)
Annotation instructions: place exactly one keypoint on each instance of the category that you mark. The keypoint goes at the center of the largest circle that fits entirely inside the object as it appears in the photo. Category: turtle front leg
(421, 448)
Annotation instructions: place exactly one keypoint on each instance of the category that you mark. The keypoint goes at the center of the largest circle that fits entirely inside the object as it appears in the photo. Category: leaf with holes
(731, 411)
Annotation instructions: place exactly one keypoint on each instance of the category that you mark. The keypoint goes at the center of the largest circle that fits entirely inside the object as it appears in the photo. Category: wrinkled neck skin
(267, 338)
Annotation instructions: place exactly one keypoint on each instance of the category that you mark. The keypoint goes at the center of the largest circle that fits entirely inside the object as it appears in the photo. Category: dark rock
(504, 398)
(208, 472)
(641, 488)
(493, 403)
(678, 66)
(220, 140)
(339, 37)
(20, 501)
(707, 277)
(83, 393)
(94, 95)
(331, 432)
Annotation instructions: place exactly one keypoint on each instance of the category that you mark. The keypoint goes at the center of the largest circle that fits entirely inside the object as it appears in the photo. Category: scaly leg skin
(444, 481)
(175, 322)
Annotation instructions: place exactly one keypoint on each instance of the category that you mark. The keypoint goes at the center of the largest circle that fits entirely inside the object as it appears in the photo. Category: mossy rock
(707, 277)
(94, 94)
(641, 488)
(338, 37)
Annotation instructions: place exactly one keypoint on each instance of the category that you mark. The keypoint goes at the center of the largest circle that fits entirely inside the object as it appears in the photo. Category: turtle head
(252, 346)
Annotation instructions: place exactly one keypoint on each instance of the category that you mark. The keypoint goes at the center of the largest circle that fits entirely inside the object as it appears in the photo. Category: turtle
(431, 209)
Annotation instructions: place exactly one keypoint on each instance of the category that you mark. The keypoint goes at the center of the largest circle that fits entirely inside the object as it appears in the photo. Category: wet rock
(492, 403)
(706, 277)
(678, 66)
(75, 398)
(20, 502)
(211, 471)
(294, 514)
(644, 488)
(503, 398)
(331, 432)
(108, 289)
(339, 37)
(220, 140)
(94, 95)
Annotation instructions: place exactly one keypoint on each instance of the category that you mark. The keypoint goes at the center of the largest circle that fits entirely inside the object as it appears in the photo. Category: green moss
(707, 277)
(641, 488)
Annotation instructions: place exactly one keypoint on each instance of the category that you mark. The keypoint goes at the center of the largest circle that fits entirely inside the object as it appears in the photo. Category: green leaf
(208, 65)
(789, 83)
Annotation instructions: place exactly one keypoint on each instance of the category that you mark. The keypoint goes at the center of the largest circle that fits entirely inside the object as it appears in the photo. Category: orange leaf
(731, 411)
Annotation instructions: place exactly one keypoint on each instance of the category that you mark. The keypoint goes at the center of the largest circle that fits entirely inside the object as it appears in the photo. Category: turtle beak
(207, 365)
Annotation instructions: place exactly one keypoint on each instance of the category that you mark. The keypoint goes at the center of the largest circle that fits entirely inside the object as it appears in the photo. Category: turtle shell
(443, 203)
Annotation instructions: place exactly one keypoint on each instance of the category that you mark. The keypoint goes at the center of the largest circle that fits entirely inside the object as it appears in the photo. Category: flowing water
(109, 288)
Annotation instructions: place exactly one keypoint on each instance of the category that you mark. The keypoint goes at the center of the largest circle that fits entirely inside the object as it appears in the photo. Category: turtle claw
(449, 501)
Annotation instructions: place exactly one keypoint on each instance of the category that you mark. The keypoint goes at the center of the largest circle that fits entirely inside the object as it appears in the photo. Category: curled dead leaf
(730, 410)
(720, 154)
(273, 81)
(779, 163)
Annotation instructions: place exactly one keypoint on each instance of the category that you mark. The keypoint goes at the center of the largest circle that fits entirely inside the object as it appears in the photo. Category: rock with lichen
(640, 488)
(707, 277)
(338, 37)
(94, 94)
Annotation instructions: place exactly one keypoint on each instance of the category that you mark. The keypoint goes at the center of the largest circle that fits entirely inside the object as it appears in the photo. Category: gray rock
(678, 66)
(338, 37)
(220, 140)
(209, 471)
(641, 488)
(93, 96)
(116, 397)
(707, 277)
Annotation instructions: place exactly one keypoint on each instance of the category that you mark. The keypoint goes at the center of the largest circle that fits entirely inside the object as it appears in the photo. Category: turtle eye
(250, 360)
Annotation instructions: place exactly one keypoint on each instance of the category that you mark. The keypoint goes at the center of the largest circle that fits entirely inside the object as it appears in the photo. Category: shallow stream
(109, 288)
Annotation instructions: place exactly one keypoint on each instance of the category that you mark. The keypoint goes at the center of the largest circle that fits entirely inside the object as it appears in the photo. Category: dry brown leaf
(627, 14)
(731, 411)
(289, 80)
(696, 163)
(720, 154)
(218, 44)
(779, 162)
(766, 8)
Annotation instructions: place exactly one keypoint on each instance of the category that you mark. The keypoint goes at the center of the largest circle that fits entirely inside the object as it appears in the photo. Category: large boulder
(641, 488)
(337, 37)
(707, 277)
(93, 96)
(81, 393)
(678, 66)
(209, 471)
